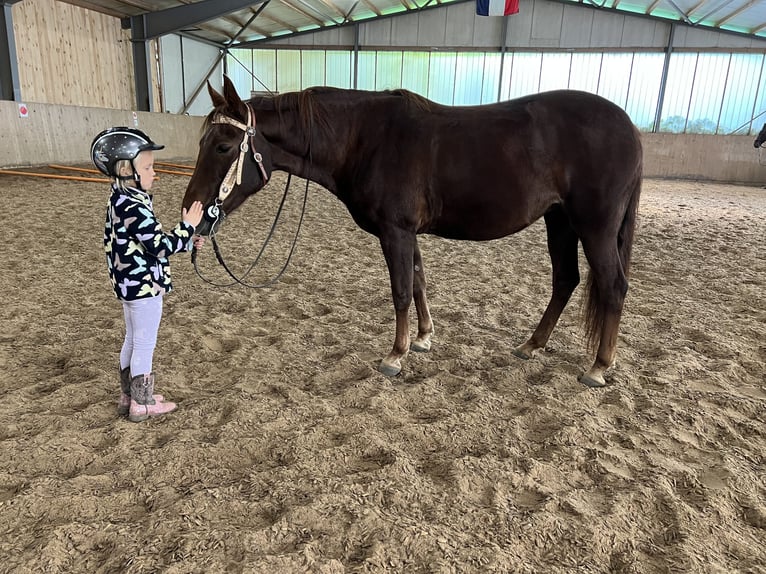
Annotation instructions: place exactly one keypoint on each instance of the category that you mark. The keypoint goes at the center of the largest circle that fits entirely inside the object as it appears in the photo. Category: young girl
(137, 252)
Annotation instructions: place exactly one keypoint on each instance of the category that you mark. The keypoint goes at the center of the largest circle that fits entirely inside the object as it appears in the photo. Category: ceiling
(228, 23)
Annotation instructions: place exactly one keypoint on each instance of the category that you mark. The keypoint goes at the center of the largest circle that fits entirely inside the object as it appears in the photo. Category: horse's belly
(483, 221)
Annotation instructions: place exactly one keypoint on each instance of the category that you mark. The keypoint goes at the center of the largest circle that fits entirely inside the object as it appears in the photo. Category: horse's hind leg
(607, 287)
(399, 249)
(562, 247)
(425, 325)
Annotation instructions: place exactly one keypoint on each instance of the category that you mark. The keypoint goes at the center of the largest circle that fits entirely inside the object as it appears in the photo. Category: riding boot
(142, 402)
(123, 403)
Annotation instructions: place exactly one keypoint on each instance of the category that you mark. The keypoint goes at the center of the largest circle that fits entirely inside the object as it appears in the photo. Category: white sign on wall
(23, 111)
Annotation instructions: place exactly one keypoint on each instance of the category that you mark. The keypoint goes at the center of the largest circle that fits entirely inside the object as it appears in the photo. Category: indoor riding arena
(290, 451)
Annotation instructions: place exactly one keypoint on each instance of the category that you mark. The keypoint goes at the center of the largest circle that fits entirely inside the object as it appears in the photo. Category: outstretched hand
(193, 215)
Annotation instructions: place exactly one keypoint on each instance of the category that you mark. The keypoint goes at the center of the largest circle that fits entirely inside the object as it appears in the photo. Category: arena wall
(62, 134)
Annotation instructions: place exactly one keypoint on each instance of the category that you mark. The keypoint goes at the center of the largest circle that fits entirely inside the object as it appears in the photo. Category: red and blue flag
(497, 7)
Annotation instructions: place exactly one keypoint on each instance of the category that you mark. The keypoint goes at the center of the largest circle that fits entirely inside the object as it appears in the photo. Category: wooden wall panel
(72, 56)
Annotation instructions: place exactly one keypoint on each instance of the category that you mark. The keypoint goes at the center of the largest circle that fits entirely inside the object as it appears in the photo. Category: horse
(404, 165)
(760, 138)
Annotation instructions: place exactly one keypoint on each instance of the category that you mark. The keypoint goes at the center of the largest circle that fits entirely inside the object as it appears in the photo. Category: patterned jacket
(137, 249)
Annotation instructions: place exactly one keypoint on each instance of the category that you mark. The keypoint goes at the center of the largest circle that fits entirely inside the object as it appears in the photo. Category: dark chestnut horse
(761, 137)
(404, 165)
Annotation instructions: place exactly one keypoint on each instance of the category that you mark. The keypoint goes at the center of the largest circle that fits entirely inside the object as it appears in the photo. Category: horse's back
(497, 168)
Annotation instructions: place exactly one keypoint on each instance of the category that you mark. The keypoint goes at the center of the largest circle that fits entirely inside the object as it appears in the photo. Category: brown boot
(142, 403)
(123, 403)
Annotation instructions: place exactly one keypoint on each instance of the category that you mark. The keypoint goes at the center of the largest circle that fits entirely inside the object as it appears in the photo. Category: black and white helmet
(116, 144)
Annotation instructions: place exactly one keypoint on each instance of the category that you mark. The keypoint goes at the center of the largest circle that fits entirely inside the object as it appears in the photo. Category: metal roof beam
(154, 24)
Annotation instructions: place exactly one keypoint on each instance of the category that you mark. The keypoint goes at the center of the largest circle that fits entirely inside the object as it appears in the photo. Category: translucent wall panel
(615, 77)
(707, 93)
(491, 79)
(366, 71)
(265, 70)
(585, 72)
(338, 69)
(759, 110)
(239, 64)
(288, 71)
(525, 75)
(505, 76)
(441, 77)
(678, 92)
(469, 75)
(415, 72)
(740, 94)
(644, 91)
(312, 68)
(388, 71)
(554, 74)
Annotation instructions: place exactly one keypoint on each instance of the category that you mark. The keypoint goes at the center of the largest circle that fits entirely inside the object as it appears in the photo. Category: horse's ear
(218, 99)
(233, 102)
(230, 93)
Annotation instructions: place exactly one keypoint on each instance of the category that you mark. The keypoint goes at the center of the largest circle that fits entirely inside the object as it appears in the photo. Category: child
(137, 252)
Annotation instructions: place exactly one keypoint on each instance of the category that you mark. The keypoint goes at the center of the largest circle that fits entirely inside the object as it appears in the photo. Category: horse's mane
(311, 109)
(412, 98)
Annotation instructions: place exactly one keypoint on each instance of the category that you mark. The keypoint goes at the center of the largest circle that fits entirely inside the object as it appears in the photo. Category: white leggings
(142, 321)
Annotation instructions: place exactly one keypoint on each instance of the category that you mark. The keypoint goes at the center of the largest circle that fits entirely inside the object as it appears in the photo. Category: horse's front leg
(398, 248)
(425, 325)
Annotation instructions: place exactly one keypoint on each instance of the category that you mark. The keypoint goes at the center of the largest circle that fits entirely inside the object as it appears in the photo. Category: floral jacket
(137, 249)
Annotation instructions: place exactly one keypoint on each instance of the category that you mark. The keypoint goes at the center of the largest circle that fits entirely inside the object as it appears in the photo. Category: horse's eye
(223, 148)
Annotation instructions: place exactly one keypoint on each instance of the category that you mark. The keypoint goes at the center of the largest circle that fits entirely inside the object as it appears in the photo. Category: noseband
(234, 175)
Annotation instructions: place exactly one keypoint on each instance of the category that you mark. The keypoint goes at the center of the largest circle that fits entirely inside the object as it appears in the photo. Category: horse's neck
(302, 167)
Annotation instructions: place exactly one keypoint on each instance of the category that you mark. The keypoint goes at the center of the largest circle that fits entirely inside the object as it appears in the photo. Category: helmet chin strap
(135, 177)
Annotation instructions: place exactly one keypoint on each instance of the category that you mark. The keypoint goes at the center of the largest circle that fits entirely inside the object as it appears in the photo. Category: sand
(291, 453)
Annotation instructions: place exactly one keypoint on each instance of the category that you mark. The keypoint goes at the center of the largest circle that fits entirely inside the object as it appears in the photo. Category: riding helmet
(116, 144)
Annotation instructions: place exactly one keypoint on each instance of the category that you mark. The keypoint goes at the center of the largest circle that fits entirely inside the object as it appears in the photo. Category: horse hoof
(521, 354)
(389, 370)
(594, 382)
(420, 346)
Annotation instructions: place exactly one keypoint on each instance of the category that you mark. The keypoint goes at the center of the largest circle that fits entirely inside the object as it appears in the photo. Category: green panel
(239, 64)
(388, 71)
(288, 71)
(265, 70)
(469, 74)
(366, 71)
(415, 72)
(338, 69)
(441, 78)
(312, 68)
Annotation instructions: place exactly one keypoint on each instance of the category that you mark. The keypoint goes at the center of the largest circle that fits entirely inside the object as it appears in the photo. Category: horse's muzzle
(212, 218)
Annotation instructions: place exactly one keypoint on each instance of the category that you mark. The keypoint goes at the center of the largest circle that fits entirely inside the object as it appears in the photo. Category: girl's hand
(198, 241)
(193, 215)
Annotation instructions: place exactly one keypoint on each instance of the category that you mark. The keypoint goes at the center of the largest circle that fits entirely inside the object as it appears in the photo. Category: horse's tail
(597, 303)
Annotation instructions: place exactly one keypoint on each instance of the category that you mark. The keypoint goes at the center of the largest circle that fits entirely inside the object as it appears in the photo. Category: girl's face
(144, 166)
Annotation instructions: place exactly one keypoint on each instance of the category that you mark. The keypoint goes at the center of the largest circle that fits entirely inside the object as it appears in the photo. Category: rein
(241, 280)
(233, 177)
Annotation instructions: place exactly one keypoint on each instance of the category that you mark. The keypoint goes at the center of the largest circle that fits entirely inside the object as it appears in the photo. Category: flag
(497, 7)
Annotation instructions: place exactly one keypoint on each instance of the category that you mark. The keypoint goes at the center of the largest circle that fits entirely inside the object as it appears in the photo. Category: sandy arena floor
(291, 453)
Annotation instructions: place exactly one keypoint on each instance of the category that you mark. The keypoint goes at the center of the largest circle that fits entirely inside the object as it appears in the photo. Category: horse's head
(234, 160)
(761, 137)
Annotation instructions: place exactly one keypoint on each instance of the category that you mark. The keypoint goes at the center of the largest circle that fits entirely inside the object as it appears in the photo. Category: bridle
(214, 213)
(234, 175)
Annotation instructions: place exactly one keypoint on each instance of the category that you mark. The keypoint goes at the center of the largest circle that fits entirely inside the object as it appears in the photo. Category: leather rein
(215, 214)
